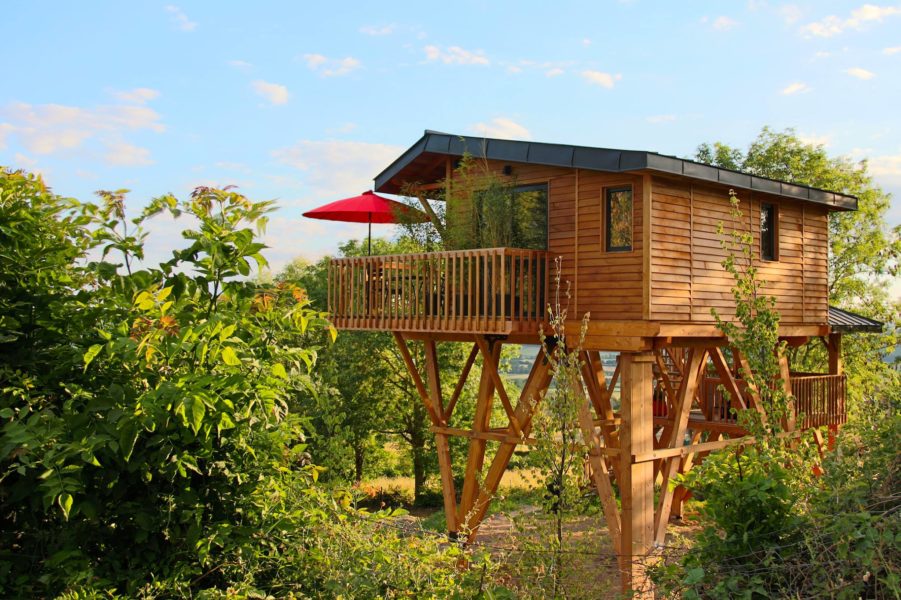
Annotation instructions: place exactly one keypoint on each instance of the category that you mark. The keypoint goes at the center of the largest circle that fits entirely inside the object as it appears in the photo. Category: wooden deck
(486, 291)
(819, 401)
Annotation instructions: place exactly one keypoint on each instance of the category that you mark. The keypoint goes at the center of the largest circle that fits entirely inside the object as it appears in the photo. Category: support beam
(600, 475)
(637, 480)
(434, 415)
(673, 438)
(460, 383)
(834, 348)
(539, 379)
(725, 373)
(480, 423)
(441, 441)
(790, 419)
(491, 366)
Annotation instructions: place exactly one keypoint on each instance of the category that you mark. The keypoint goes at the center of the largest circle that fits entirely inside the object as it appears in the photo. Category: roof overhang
(425, 162)
(844, 321)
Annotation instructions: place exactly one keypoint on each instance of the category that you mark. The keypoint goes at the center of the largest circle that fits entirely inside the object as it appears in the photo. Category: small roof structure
(423, 161)
(845, 321)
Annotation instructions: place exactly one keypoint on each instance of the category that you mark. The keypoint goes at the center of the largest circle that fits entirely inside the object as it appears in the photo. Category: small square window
(769, 246)
(618, 219)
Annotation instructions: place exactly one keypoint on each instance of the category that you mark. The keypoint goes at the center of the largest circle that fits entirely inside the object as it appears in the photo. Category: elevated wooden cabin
(638, 234)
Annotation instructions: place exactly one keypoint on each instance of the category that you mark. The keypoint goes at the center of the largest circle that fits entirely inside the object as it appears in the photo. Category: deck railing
(819, 399)
(491, 291)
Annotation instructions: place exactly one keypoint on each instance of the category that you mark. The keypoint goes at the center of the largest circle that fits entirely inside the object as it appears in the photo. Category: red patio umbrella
(368, 207)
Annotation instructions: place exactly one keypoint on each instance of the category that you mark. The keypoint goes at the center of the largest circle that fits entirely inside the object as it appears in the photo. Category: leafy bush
(147, 447)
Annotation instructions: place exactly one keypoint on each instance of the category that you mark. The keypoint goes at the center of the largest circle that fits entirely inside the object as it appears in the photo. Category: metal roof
(434, 143)
(843, 321)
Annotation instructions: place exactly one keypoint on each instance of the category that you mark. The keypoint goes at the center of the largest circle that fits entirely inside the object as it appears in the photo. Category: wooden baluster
(503, 287)
(470, 303)
(486, 288)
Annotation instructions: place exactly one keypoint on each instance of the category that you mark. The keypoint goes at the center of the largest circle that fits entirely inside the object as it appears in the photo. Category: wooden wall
(606, 284)
(687, 277)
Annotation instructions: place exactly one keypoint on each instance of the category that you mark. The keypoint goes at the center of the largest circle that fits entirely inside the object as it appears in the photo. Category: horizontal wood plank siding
(687, 277)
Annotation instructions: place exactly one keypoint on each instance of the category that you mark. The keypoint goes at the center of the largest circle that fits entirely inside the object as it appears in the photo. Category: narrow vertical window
(618, 219)
(768, 226)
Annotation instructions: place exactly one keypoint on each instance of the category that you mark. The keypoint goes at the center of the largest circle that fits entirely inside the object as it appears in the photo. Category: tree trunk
(358, 462)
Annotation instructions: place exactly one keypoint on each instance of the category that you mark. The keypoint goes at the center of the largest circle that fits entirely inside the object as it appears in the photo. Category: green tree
(147, 446)
(864, 251)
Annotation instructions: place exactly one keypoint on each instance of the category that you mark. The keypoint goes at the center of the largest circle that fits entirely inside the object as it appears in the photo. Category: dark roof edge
(605, 159)
(845, 321)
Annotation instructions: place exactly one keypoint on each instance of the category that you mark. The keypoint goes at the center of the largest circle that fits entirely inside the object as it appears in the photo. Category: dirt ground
(519, 542)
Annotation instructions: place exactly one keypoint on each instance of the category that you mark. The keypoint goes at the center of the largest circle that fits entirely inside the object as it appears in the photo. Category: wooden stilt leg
(537, 383)
(601, 477)
(637, 479)
(481, 422)
(441, 441)
(675, 436)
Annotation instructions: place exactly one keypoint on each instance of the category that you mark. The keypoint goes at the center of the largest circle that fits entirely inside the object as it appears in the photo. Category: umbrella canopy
(370, 208)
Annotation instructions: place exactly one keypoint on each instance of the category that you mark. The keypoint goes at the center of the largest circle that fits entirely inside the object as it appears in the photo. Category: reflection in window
(530, 217)
(512, 218)
(768, 250)
(618, 219)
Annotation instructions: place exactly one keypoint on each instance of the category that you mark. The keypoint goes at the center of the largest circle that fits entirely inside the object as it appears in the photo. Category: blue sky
(305, 102)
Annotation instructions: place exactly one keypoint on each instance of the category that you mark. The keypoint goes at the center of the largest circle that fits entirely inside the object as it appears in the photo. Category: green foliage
(864, 252)
(754, 332)
(147, 442)
(559, 449)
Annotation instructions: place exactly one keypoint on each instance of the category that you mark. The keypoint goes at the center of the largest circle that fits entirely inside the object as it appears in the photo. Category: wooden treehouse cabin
(637, 234)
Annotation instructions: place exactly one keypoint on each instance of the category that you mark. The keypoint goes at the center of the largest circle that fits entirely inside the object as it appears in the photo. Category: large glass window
(530, 217)
(515, 218)
(769, 249)
(618, 219)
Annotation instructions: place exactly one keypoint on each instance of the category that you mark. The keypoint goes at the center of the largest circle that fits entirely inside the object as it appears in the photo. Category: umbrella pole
(369, 251)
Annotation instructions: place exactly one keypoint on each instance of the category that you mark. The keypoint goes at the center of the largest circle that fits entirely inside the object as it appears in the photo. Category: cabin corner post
(637, 485)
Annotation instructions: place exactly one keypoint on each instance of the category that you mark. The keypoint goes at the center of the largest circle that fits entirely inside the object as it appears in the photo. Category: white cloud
(455, 55)
(660, 119)
(140, 95)
(834, 25)
(795, 88)
(180, 19)
(240, 64)
(822, 54)
(502, 127)
(334, 169)
(331, 67)
(790, 13)
(123, 154)
(723, 23)
(600, 78)
(378, 29)
(273, 92)
(52, 128)
(885, 166)
(314, 61)
(24, 162)
(514, 69)
(860, 73)
(586, 42)
(892, 50)
(556, 71)
(814, 139)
